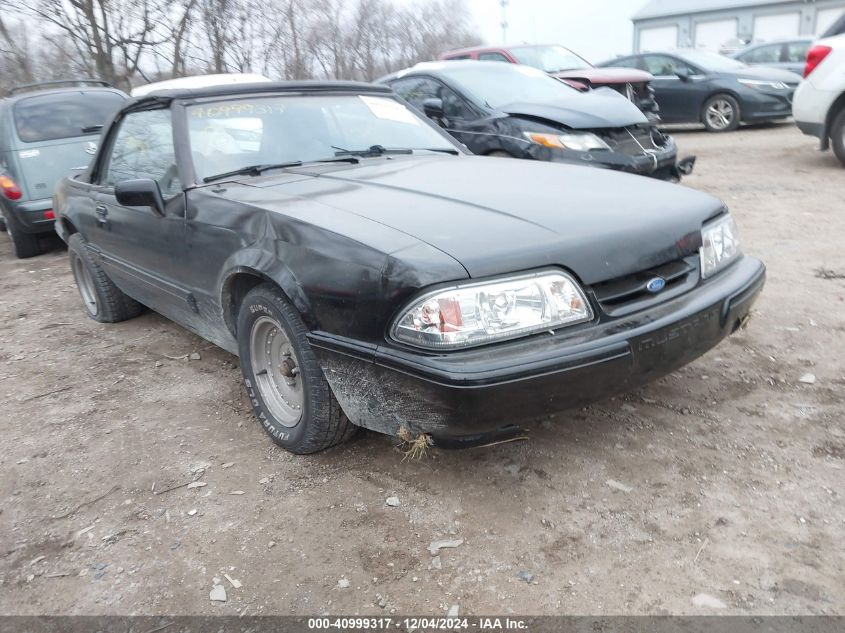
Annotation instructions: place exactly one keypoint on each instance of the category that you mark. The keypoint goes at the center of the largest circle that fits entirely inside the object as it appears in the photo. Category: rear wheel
(103, 301)
(286, 386)
(721, 113)
(25, 244)
(837, 136)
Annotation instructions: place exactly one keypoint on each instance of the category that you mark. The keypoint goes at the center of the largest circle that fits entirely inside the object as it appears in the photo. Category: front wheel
(284, 381)
(837, 136)
(721, 113)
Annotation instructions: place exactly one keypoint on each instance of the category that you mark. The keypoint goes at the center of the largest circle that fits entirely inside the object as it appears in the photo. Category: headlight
(760, 84)
(719, 245)
(473, 314)
(578, 141)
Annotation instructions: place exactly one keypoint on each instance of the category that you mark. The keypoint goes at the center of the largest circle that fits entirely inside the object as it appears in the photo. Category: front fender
(262, 264)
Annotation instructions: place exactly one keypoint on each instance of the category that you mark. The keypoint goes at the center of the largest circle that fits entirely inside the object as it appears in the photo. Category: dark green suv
(47, 131)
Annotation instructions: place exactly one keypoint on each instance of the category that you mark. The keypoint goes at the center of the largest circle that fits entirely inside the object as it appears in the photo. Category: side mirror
(682, 73)
(433, 108)
(144, 192)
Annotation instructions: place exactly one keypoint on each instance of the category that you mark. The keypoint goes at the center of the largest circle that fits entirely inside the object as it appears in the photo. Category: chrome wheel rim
(86, 286)
(720, 114)
(276, 370)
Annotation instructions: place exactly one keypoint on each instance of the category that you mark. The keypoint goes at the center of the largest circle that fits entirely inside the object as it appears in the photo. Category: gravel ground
(716, 489)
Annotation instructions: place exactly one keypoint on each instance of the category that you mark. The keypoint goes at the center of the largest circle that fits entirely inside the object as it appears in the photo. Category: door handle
(102, 213)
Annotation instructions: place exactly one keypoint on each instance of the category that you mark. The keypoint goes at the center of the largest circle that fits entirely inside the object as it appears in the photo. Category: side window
(453, 106)
(143, 148)
(796, 52)
(762, 55)
(627, 62)
(492, 57)
(415, 90)
(663, 65)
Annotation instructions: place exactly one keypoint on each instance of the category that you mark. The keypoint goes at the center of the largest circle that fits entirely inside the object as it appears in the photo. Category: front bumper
(659, 163)
(453, 394)
(759, 105)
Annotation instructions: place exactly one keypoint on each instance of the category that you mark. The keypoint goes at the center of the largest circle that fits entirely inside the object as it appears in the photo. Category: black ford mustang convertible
(369, 272)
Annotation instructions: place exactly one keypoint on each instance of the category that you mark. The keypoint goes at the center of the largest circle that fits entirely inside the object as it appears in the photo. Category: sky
(595, 29)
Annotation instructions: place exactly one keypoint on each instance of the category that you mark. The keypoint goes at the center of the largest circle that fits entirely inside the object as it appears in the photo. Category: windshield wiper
(380, 150)
(443, 150)
(372, 150)
(252, 170)
(257, 170)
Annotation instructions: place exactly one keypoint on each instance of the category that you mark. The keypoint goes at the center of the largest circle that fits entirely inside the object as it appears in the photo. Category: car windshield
(549, 58)
(499, 84)
(64, 114)
(258, 130)
(711, 62)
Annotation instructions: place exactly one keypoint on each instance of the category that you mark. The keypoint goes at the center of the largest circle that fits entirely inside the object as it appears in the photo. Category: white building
(724, 24)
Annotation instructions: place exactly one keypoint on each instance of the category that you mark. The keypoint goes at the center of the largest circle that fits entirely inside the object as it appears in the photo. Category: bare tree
(127, 41)
(109, 37)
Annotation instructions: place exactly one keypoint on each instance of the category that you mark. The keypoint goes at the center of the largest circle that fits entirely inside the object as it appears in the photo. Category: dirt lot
(718, 489)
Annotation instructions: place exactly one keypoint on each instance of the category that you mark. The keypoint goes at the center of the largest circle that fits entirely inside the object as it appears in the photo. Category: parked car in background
(369, 272)
(47, 130)
(695, 86)
(784, 54)
(570, 67)
(518, 111)
(198, 81)
(819, 105)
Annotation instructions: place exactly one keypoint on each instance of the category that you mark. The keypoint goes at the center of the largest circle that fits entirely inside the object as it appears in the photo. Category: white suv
(818, 106)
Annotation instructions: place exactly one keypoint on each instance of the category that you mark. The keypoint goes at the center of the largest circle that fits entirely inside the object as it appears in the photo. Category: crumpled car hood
(599, 108)
(499, 215)
(604, 75)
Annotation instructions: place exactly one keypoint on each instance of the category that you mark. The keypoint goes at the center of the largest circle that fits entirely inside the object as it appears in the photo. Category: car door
(766, 55)
(460, 119)
(795, 56)
(142, 251)
(679, 99)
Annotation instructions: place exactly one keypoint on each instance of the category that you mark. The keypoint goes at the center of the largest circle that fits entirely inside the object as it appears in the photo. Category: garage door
(658, 38)
(775, 27)
(711, 35)
(825, 18)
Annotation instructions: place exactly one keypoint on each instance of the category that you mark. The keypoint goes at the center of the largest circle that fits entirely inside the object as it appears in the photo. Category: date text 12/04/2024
(418, 624)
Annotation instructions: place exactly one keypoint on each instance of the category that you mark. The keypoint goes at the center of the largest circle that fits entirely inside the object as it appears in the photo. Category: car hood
(500, 215)
(606, 76)
(765, 72)
(600, 108)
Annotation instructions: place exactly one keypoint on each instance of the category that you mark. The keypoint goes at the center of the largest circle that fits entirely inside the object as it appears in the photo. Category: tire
(26, 245)
(837, 136)
(2, 224)
(721, 113)
(103, 301)
(285, 384)
(500, 154)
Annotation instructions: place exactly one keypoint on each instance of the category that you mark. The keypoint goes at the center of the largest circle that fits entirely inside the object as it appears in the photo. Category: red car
(567, 66)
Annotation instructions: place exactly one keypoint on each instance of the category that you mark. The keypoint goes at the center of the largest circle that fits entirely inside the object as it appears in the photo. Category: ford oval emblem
(90, 148)
(656, 285)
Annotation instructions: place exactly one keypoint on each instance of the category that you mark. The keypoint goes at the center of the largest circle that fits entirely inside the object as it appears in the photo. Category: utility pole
(504, 4)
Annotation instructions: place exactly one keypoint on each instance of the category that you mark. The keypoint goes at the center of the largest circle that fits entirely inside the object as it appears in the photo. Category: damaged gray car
(508, 110)
(369, 272)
